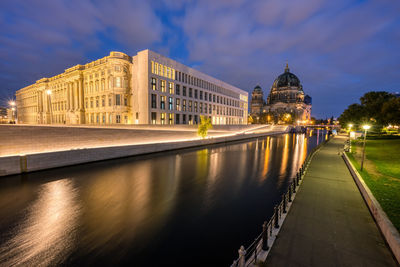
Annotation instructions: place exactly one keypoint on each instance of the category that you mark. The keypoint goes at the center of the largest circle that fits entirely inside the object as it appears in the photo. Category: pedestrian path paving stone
(329, 223)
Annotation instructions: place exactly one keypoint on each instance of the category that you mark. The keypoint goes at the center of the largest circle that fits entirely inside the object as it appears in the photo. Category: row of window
(167, 102)
(95, 102)
(100, 118)
(192, 93)
(168, 118)
(162, 70)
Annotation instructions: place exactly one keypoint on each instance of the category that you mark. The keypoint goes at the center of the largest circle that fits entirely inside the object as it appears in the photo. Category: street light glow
(350, 125)
(48, 92)
(12, 103)
(366, 127)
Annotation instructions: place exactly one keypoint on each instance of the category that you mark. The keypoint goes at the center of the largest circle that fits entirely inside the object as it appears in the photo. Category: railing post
(242, 256)
(284, 203)
(265, 237)
(290, 194)
(255, 251)
(276, 210)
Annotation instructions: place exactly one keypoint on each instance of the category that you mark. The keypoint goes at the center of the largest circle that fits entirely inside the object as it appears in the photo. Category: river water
(183, 208)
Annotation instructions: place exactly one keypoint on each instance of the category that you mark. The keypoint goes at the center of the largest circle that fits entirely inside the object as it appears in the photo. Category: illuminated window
(178, 104)
(153, 83)
(162, 102)
(153, 118)
(104, 118)
(195, 106)
(110, 118)
(170, 118)
(190, 105)
(97, 118)
(184, 104)
(156, 68)
(171, 88)
(173, 74)
(152, 67)
(205, 108)
(118, 118)
(162, 118)
(117, 68)
(170, 104)
(165, 71)
(160, 69)
(163, 89)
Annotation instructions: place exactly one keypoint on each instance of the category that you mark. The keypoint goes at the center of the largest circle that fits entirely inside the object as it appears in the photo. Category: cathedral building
(286, 102)
(146, 88)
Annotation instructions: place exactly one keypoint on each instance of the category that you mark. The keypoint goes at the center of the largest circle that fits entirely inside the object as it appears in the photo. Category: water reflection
(128, 210)
(47, 231)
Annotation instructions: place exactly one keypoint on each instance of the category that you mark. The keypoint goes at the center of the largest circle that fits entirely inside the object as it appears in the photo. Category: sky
(339, 49)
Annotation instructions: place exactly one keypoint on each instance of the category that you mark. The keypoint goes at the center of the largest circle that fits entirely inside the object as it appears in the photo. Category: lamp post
(48, 92)
(366, 128)
(12, 104)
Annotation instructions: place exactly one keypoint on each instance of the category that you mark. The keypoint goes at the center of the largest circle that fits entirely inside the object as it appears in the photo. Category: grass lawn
(381, 173)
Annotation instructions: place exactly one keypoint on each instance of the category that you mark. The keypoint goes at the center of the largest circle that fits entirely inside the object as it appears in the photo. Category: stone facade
(147, 88)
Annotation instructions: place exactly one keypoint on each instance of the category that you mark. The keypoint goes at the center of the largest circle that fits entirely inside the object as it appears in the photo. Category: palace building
(146, 88)
(286, 98)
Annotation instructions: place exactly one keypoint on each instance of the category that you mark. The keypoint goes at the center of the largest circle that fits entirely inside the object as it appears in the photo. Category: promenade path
(329, 224)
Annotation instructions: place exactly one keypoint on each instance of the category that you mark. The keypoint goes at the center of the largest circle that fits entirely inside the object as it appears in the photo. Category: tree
(391, 111)
(204, 126)
(373, 103)
(250, 120)
(355, 114)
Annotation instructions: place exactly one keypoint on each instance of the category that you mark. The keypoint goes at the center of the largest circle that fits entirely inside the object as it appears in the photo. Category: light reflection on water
(175, 206)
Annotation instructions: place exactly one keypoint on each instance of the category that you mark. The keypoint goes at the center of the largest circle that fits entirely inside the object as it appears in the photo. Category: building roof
(286, 79)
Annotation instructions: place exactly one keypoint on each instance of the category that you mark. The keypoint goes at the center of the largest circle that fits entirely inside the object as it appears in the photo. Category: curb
(386, 227)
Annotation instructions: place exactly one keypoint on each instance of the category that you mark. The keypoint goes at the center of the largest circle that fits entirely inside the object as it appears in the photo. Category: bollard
(265, 237)
(297, 178)
(242, 256)
(294, 187)
(284, 203)
(290, 193)
(276, 217)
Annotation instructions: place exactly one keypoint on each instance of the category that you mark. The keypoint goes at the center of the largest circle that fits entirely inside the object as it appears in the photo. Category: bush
(204, 126)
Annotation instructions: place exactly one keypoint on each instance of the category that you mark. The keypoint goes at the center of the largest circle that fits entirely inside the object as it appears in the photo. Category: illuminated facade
(147, 88)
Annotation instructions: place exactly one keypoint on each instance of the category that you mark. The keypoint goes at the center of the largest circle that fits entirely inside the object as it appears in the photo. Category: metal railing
(248, 256)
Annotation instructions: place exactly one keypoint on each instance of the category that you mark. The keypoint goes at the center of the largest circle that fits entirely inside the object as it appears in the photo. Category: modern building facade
(147, 88)
(286, 99)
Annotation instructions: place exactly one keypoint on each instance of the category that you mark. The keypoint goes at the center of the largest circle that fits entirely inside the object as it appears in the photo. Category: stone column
(82, 101)
(67, 96)
(76, 92)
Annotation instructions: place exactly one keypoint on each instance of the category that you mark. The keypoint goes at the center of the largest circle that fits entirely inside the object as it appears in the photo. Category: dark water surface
(182, 208)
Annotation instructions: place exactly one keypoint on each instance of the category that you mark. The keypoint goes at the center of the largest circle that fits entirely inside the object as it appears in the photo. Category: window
(110, 120)
(109, 101)
(170, 104)
(103, 102)
(171, 118)
(153, 118)
(163, 86)
(125, 101)
(184, 118)
(190, 105)
(177, 89)
(118, 82)
(104, 118)
(118, 118)
(97, 86)
(156, 68)
(152, 67)
(91, 103)
(117, 68)
(118, 99)
(190, 120)
(213, 98)
(184, 90)
(190, 92)
(184, 105)
(162, 118)
(97, 118)
(162, 102)
(177, 118)
(195, 93)
(126, 119)
(195, 119)
(195, 106)
(201, 95)
(160, 69)
(86, 104)
(153, 83)
(209, 97)
(205, 108)
(171, 88)
(209, 108)
(153, 101)
(201, 107)
(178, 104)
(97, 102)
(205, 96)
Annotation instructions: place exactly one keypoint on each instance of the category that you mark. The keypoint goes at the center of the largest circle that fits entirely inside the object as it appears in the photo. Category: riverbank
(329, 223)
(33, 148)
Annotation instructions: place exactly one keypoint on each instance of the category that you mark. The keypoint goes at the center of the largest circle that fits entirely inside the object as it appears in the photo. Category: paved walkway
(329, 223)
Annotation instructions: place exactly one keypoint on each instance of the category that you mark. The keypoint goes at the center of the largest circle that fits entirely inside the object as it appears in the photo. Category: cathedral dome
(257, 88)
(286, 79)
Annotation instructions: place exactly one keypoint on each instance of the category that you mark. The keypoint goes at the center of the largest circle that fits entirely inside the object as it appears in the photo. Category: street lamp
(12, 104)
(366, 128)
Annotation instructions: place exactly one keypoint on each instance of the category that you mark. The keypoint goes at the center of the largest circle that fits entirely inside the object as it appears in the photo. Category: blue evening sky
(339, 49)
